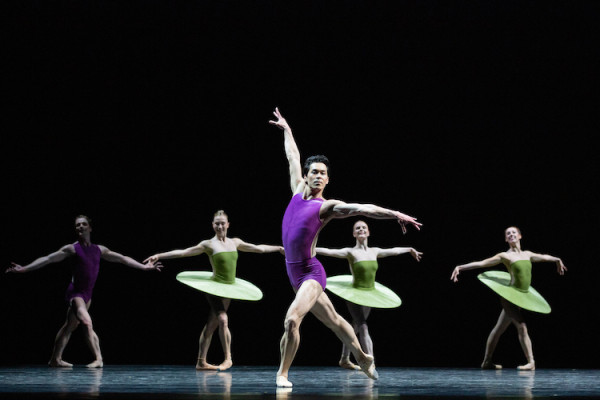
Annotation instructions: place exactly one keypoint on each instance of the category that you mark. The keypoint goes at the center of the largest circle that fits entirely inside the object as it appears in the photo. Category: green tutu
(378, 296)
(204, 281)
(529, 299)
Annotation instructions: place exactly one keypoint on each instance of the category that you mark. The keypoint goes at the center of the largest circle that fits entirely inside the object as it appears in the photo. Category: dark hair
(315, 159)
(88, 219)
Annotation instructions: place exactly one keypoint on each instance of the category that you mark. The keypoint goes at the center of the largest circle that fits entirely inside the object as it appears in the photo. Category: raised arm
(396, 251)
(338, 209)
(61, 254)
(338, 253)
(189, 252)
(560, 267)
(113, 256)
(291, 151)
(488, 262)
(256, 248)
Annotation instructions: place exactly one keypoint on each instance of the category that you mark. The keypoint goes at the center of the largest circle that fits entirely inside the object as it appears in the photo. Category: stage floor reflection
(248, 382)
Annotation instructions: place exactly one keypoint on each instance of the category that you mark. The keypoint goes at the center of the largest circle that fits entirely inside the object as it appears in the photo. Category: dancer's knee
(87, 323)
(291, 324)
(223, 320)
(522, 329)
(362, 330)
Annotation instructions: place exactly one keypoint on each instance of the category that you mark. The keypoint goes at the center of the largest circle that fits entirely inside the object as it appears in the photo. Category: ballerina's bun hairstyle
(221, 213)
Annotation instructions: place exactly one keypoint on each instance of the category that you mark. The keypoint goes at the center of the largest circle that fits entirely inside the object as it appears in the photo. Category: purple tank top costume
(85, 271)
(301, 223)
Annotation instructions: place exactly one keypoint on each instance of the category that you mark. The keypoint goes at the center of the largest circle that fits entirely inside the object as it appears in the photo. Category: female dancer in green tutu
(220, 285)
(515, 291)
(360, 290)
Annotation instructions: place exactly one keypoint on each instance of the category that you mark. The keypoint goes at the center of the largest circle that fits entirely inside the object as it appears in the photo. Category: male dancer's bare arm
(291, 151)
(59, 255)
(338, 209)
(113, 256)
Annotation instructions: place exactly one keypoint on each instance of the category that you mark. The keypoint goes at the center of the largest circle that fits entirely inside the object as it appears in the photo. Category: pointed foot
(96, 364)
(347, 364)
(368, 367)
(282, 382)
(225, 365)
(59, 364)
(490, 365)
(527, 367)
(204, 366)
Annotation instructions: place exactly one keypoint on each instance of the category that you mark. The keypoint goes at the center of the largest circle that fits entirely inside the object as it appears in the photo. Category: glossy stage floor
(184, 382)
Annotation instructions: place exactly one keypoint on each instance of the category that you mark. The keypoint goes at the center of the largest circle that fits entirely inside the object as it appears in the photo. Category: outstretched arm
(113, 256)
(560, 267)
(338, 253)
(291, 151)
(488, 262)
(61, 254)
(396, 251)
(338, 209)
(190, 251)
(257, 248)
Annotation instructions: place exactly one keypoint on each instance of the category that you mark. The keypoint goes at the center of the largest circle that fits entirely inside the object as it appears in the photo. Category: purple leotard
(85, 272)
(301, 223)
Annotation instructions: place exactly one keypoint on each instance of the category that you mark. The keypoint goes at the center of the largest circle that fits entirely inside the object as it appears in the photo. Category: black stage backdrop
(149, 116)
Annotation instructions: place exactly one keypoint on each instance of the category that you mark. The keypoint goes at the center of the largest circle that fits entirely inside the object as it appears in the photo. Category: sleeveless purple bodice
(301, 224)
(85, 272)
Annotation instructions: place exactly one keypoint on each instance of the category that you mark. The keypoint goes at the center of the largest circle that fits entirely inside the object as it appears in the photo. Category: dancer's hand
(151, 259)
(560, 267)
(151, 265)
(455, 273)
(281, 122)
(416, 254)
(15, 268)
(404, 219)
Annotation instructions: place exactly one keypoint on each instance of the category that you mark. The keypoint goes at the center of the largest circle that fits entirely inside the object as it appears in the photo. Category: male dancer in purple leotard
(305, 216)
(79, 292)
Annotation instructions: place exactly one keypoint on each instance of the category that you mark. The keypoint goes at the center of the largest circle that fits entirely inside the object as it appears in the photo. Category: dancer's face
(220, 225)
(361, 230)
(317, 176)
(512, 235)
(82, 227)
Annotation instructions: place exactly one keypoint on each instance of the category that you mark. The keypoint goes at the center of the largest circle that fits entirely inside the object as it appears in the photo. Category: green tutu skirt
(203, 281)
(378, 297)
(499, 282)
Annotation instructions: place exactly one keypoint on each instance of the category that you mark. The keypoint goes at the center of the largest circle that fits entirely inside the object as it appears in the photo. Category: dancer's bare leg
(359, 316)
(345, 361)
(91, 338)
(204, 342)
(220, 305)
(324, 311)
(62, 338)
(306, 297)
(517, 319)
(492, 340)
